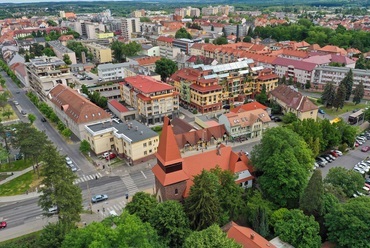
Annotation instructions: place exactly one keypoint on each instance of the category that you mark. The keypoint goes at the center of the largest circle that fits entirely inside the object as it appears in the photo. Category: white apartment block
(326, 74)
(107, 72)
(129, 26)
(61, 50)
(169, 52)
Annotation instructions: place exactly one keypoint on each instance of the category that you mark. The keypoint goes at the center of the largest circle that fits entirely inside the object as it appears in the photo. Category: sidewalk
(16, 174)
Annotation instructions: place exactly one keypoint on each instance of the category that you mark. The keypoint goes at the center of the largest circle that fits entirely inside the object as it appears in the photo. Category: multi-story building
(326, 74)
(184, 44)
(129, 26)
(104, 35)
(74, 110)
(132, 140)
(107, 72)
(153, 99)
(207, 11)
(250, 121)
(301, 72)
(101, 54)
(44, 73)
(291, 101)
(239, 30)
(61, 50)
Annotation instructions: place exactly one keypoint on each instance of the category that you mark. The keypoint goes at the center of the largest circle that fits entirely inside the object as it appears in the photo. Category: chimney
(252, 236)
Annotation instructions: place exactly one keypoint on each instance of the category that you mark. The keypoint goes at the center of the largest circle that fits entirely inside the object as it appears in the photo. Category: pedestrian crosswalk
(130, 185)
(110, 210)
(85, 178)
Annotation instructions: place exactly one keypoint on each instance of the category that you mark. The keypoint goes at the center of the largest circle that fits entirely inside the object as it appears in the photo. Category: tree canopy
(165, 67)
(182, 33)
(220, 41)
(142, 205)
(358, 93)
(312, 199)
(349, 223)
(328, 95)
(348, 180)
(284, 161)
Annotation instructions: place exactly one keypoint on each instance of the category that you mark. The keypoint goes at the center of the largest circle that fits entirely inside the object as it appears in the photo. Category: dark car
(277, 119)
(320, 163)
(321, 111)
(99, 198)
(43, 119)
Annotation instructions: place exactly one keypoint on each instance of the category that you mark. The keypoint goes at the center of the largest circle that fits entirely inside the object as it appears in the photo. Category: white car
(68, 161)
(359, 170)
(337, 152)
(363, 167)
(361, 138)
(359, 141)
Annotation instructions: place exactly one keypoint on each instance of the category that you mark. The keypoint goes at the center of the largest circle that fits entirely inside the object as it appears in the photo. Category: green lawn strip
(25, 241)
(15, 165)
(18, 185)
(4, 176)
(348, 107)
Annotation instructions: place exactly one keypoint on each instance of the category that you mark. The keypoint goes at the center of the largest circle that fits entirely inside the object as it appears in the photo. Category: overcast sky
(43, 1)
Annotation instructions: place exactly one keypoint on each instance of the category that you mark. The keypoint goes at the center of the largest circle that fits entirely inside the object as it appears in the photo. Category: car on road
(321, 111)
(3, 224)
(111, 156)
(15, 103)
(43, 119)
(365, 149)
(73, 167)
(99, 198)
(68, 161)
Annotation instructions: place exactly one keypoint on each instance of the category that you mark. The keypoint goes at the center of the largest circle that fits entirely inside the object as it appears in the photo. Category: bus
(356, 117)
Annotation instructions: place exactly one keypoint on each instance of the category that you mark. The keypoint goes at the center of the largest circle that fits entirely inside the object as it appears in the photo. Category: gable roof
(245, 236)
(148, 60)
(248, 107)
(165, 39)
(115, 104)
(180, 126)
(247, 118)
(293, 99)
(302, 65)
(76, 107)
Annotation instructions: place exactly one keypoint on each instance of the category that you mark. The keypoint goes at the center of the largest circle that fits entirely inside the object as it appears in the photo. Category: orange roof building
(245, 236)
(174, 174)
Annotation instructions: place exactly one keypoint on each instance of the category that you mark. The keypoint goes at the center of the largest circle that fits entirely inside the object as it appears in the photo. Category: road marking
(143, 174)
(99, 174)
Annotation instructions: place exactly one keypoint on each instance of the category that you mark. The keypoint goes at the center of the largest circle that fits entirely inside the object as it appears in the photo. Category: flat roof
(137, 131)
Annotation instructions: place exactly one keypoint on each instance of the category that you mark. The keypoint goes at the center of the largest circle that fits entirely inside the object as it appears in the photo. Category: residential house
(149, 50)
(246, 124)
(74, 110)
(101, 54)
(20, 71)
(131, 140)
(174, 174)
(151, 98)
(291, 101)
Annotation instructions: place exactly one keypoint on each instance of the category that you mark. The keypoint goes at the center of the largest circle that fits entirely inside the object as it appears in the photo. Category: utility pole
(88, 189)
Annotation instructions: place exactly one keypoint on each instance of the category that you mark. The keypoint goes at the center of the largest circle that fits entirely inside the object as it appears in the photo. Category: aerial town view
(184, 124)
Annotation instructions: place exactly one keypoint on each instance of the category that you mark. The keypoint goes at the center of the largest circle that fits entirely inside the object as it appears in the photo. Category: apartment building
(44, 73)
(104, 35)
(188, 11)
(101, 54)
(224, 10)
(131, 140)
(107, 72)
(88, 29)
(325, 74)
(61, 50)
(74, 110)
(129, 26)
(153, 99)
(184, 44)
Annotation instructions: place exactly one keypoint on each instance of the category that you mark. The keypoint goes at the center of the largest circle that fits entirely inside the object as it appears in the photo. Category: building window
(144, 145)
(150, 151)
(176, 191)
(111, 139)
(145, 153)
(150, 143)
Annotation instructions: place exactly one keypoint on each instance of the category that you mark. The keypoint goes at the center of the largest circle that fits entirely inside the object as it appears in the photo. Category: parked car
(331, 156)
(321, 163)
(68, 161)
(18, 156)
(357, 144)
(3, 224)
(327, 158)
(359, 170)
(359, 141)
(322, 160)
(111, 156)
(99, 198)
(73, 167)
(362, 138)
(321, 111)
(334, 154)
(277, 119)
(53, 210)
(365, 148)
(337, 152)
(367, 180)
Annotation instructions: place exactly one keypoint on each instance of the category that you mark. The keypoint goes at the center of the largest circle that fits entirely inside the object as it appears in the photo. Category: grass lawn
(348, 107)
(15, 165)
(13, 116)
(26, 241)
(20, 185)
(4, 176)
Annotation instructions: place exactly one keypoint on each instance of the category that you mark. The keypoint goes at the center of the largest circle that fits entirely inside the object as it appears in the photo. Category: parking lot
(348, 160)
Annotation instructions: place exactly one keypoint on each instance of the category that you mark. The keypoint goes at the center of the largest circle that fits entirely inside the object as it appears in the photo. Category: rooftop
(146, 84)
(133, 130)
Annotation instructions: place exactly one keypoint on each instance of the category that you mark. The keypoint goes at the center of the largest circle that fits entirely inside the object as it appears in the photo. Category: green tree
(282, 80)
(307, 85)
(206, 40)
(284, 161)
(59, 189)
(290, 81)
(328, 95)
(312, 200)
(298, 229)
(52, 236)
(85, 147)
(165, 67)
(220, 41)
(348, 180)
(182, 33)
(142, 205)
(170, 221)
(347, 132)
(262, 97)
(66, 59)
(247, 39)
(131, 49)
(203, 206)
(31, 118)
(340, 96)
(289, 118)
(7, 113)
(348, 80)
(349, 223)
(213, 236)
(4, 99)
(358, 93)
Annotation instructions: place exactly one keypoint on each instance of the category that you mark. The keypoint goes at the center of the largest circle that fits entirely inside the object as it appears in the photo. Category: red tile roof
(205, 89)
(148, 60)
(146, 84)
(188, 74)
(249, 107)
(121, 108)
(76, 107)
(246, 236)
(302, 65)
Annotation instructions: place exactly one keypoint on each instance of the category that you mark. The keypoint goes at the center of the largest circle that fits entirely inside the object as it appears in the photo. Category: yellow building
(102, 35)
(130, 140)
(291, 101)
(102, 54)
